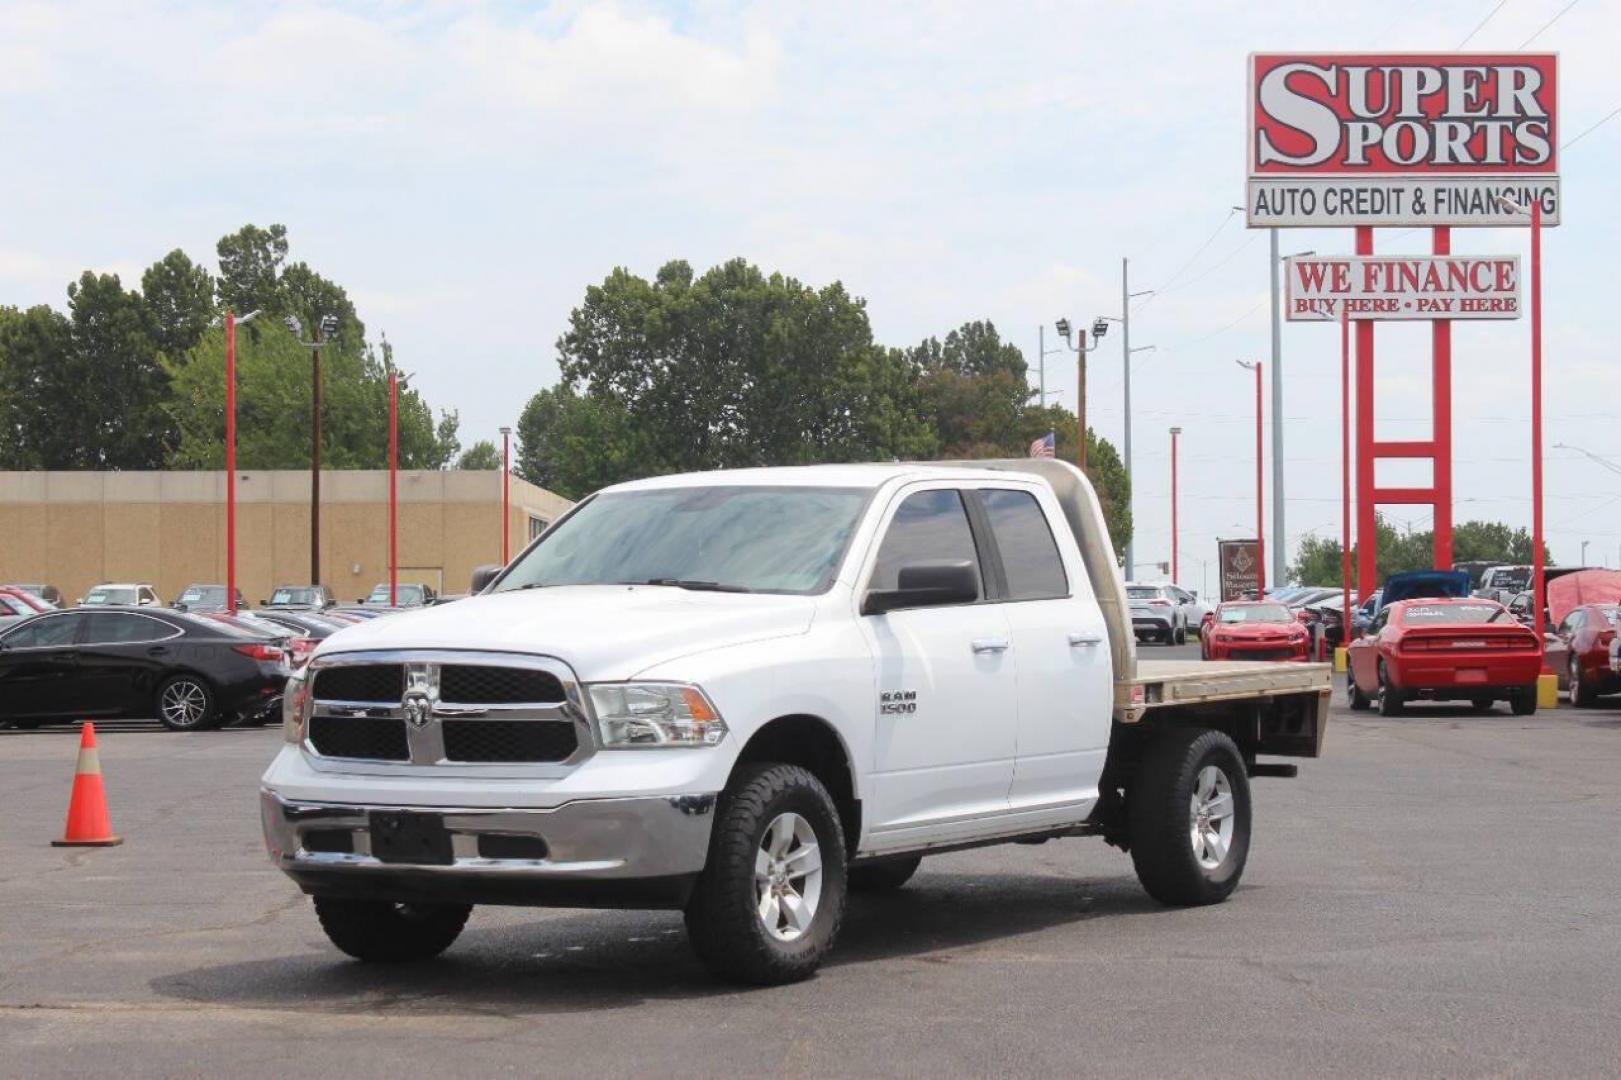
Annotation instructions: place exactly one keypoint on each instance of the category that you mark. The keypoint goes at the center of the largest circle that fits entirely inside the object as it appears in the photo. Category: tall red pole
(1441, 422)
(506, 494)
(1345, 476)
(393, 489)
(1539, 595)
(230, 462)
(1367, 534)
(1260, 538)
(1176, 564)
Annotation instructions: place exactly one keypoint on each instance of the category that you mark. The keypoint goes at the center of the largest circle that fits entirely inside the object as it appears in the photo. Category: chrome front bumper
(622, 852)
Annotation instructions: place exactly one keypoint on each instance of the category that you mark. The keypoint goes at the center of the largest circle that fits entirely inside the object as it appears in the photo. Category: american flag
(1043, 447)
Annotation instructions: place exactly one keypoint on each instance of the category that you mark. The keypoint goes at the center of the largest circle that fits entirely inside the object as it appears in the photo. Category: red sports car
(1466, 649)
(1253, 630)
(1580, 653)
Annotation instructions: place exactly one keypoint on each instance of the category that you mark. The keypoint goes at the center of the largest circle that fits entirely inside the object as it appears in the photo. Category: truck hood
(603, 632)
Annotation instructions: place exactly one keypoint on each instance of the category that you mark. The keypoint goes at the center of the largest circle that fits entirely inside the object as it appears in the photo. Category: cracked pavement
(1439, 895)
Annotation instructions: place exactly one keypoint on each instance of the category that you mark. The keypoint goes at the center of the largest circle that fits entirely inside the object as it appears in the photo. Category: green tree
(972, 387)
(273, 408)
(1103, 464)
(109, 403)
(1318, 560)
(179, 298)
(250, 269)
(35, 348)
(574, 444)
(481, 455)
(736, 368)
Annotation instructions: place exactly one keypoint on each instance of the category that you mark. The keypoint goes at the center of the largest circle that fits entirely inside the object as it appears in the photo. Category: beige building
(77, 529)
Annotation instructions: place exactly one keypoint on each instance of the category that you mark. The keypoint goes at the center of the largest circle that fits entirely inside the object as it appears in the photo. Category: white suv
(1165, 612)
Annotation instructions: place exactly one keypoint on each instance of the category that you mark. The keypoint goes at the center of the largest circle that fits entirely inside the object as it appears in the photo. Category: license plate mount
(409, 837)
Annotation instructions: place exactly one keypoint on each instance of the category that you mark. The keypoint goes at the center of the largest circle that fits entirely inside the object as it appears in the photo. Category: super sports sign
(1339, 139)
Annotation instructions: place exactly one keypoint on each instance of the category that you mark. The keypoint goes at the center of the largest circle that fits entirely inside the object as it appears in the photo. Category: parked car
(17, 605)
(48, 593)
(1579, 653)
(307, 629)
(1502, 582)
(207, 598)
(120, 595)
(1163, 612)
(1444, 649)
(405, 596)
(190, 671)
(300, 598)
(740, 694)
(1253, 630)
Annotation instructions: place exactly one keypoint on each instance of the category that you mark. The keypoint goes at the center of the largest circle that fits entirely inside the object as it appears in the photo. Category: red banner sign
(1403, 287)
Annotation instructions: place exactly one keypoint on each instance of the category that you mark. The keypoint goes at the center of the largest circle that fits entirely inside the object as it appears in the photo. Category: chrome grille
(445, 708)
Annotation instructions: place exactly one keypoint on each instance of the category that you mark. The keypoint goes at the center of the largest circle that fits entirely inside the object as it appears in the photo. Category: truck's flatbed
(1159, 683)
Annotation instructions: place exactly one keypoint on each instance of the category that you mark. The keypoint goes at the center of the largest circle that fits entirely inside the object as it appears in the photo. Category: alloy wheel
(788, 876)
(184, 703)
(1210, 817)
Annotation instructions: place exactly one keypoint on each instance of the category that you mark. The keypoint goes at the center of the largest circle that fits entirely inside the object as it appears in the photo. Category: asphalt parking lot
(1439, 895)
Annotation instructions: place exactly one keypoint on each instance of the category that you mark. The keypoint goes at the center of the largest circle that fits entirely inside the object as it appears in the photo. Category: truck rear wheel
(884, 876)
(768, 904)
(1189, 817)
(385, 932)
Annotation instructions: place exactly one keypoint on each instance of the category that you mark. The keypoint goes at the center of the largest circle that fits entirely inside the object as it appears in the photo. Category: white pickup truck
(744, 694)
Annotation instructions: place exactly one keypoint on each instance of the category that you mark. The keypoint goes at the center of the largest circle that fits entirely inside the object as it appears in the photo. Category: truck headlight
(631, 715)
(295, 698)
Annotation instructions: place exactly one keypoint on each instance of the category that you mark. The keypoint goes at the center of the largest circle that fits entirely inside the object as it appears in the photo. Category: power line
(1611, 115)
(1547, 24)
(1483, 23)
(1200, 250)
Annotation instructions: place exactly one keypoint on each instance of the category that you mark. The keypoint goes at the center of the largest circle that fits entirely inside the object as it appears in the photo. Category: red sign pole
(1441, 422)
(1367, 534)
(393, 489)
(506, 495)
(1260, 541)
(230, 462)
(1539, 595)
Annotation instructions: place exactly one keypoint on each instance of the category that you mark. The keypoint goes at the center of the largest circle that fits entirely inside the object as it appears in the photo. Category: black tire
(194, 688)
(1182, 635)
(1524, 701)
(384, 932)
(1482, 704)
(1359, 701)
(1159, 819)
(723, 917)
(1390, 698)
(1582, 694)
(885, 876)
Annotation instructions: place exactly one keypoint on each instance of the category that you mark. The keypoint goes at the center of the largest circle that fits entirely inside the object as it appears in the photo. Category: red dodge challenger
(1466, 649)
(1253, 630)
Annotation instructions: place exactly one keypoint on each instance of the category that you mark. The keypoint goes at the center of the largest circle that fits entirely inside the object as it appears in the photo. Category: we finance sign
(1402, 287)
(1342, 139)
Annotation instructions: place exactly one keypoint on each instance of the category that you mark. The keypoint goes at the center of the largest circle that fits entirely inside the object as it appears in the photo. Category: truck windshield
(737, 539)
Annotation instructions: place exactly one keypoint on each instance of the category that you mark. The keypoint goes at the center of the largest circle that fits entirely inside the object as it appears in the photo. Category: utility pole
(1125, 363)
(1080, 401)
(1176, 563)
(1279, 548)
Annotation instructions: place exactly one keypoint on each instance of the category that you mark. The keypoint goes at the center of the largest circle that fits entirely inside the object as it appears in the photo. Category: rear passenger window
(929, 526)
(1029, 552)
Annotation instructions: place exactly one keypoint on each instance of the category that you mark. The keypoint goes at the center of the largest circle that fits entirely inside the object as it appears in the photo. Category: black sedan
(191, 672)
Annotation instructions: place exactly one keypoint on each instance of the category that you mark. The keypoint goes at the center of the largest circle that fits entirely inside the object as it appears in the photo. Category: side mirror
(1209, 617)
(264, 603)
(483, 575)
(930, 584)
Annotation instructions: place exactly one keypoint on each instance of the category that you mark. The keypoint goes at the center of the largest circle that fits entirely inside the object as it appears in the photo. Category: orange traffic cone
(88, 824)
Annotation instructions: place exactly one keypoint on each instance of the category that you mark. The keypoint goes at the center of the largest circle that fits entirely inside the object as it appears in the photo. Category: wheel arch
(815, 745)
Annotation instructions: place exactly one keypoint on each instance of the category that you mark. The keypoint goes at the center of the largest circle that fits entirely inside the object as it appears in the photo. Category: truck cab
(743, 694)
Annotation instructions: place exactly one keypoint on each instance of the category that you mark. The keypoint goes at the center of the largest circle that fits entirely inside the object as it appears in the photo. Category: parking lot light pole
(1260, 540)
(327, 325)
(231, 322)
(1176, 565)
(393, 488)
(506, 493)
(1340, 656)
(1100, 327)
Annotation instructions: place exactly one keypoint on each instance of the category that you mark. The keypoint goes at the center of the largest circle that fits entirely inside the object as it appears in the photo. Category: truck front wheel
(385, 932)
(1189, 816)
(769, 902)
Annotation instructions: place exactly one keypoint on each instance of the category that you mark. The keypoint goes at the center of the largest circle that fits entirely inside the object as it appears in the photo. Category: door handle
(158, 650)
(990, 645)
(1085, 640)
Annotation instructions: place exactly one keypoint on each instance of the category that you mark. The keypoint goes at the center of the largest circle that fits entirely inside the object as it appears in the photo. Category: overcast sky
(465, 170)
